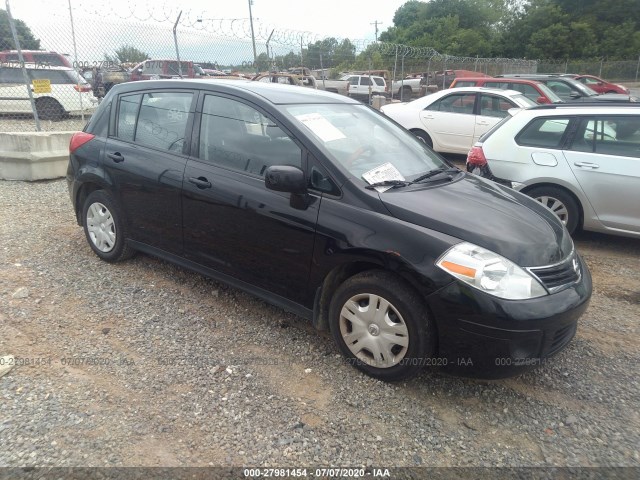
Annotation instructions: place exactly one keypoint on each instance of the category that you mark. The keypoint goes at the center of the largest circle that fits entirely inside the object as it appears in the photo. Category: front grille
(561, 338)
(558, 276)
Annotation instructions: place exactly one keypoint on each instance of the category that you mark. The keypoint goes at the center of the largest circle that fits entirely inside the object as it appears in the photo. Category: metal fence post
(75, 57)
(27, 82)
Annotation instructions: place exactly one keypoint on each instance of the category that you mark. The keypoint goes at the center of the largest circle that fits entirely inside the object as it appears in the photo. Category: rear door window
(162, 121)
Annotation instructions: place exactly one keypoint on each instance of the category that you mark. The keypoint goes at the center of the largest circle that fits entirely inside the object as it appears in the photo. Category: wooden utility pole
(376, 23)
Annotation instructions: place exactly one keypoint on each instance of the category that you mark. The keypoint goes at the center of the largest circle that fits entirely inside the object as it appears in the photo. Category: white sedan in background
(453, 120)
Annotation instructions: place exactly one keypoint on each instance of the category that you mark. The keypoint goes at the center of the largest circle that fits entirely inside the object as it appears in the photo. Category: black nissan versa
(328, 209)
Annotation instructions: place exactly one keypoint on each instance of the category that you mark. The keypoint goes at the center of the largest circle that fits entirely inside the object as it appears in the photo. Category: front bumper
(480, 335)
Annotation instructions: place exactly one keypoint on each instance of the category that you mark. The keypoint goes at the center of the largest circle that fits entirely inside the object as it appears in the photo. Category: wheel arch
(423, 132)
(341, 273)
(83, 192)
(565, 189)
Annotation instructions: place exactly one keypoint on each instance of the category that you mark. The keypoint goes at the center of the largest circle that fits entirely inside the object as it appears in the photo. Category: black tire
(104, 227)
(404, 317)
(423, 137)
(49, 109)
(405, 93)
(559, 202)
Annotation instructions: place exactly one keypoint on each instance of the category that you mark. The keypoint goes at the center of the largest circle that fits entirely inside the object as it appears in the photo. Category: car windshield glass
(363, 141)
(589, 92)
(551, 95)
(524, 100)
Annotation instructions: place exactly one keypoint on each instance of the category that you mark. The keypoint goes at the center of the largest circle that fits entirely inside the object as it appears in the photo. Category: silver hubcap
(101, 227)
(556, 206)
(373, 330)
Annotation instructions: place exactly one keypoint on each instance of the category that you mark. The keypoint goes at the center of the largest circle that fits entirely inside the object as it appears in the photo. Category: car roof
(496, 79)
(626, 107)
(499, 91)
(272, 92)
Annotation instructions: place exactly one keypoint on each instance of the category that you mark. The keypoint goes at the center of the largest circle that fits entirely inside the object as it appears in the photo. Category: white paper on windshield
(386, 171)
(321, 127)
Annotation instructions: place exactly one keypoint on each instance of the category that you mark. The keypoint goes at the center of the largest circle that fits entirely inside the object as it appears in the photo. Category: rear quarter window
(543, 132)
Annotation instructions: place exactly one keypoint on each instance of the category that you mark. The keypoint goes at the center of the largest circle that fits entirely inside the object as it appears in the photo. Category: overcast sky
(103, 25)
(342, 18)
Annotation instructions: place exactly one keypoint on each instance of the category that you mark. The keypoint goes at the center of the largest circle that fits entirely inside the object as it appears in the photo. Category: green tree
(26, 38)
(127, 54)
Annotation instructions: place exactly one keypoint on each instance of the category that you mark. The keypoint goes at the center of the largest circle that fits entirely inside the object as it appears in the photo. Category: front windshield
(589, 92)
(362, 141)
(551, 95)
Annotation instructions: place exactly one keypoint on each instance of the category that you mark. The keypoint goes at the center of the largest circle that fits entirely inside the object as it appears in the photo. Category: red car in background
(599, 85)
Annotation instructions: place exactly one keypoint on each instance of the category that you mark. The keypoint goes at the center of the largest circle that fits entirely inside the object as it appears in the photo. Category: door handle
(116, 157)
(593, 166)
(200, 182)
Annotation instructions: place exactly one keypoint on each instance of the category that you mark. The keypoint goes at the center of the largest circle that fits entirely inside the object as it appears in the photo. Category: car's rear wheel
(406, 93)
(559, 202)
(423, 137)
(104, 227)
(381, 325)
(49, 109)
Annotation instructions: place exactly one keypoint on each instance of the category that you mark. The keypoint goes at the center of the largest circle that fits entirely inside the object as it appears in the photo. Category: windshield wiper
(433, 173)
(389, 183)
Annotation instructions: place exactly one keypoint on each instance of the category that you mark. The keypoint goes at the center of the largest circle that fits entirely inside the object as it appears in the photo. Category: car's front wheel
(559, 202)
(423, 137)
(104, 227)
(381, 325)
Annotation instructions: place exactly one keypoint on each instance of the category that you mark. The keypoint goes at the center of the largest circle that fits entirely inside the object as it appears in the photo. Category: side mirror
(285, 178)
(542, 100)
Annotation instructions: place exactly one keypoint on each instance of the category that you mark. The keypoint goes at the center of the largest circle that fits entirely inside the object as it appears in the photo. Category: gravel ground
(146, 364)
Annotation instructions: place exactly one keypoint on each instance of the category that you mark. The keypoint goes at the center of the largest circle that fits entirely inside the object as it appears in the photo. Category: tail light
(78, 139)
(82, 88)
(476, 157)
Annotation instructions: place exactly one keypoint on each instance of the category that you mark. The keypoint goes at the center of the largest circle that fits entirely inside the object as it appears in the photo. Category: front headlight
(489, 272)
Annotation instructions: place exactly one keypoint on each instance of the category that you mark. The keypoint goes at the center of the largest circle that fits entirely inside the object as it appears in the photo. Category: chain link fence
(58, 60)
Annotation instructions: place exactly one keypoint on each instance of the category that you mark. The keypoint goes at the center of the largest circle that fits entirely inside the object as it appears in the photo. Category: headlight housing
(489, 272)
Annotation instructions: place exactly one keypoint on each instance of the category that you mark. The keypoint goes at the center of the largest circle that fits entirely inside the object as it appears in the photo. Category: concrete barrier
(34, 155)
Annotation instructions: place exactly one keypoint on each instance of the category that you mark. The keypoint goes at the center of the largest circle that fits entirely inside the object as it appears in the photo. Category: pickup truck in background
(335, 86)
(157, 69)
(308, 80)
(407, 87)
(102, 79)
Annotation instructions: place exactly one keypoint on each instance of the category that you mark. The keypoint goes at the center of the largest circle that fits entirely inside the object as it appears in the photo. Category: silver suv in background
(580, 160)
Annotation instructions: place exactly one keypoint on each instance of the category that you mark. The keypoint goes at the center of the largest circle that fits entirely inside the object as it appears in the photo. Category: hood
(486, 214)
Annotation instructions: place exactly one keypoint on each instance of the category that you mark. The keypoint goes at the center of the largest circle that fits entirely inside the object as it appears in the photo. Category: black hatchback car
(326, 208)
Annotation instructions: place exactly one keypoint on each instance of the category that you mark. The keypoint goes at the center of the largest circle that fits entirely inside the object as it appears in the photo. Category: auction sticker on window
(386, 171)
(321, 127)
(42, 85)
